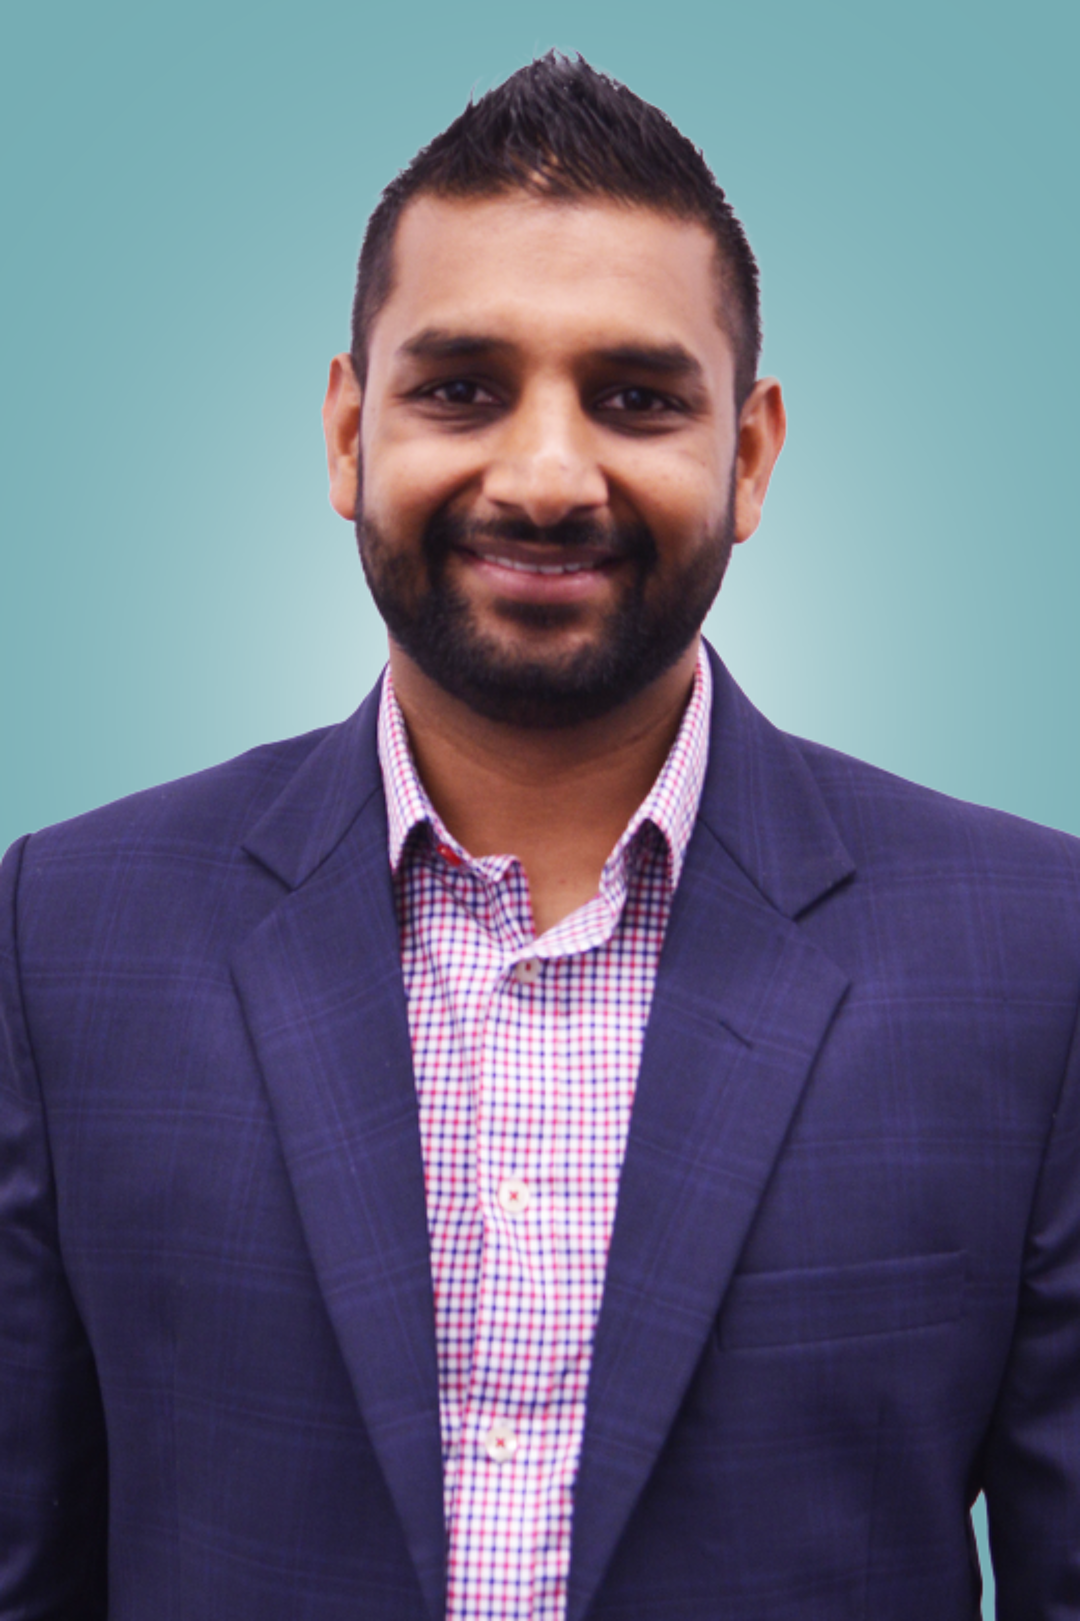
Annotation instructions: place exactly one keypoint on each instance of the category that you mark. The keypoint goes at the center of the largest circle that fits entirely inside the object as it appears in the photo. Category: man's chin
(533, 664)
(531, 684)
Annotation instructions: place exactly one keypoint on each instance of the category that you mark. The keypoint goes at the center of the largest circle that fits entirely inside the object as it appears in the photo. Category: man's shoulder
(784, 805)
(173, 861)
(892, 825)
(208, 809)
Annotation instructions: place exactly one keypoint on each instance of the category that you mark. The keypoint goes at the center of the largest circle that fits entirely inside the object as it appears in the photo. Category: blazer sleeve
(52, 1436)
(1032, 1465)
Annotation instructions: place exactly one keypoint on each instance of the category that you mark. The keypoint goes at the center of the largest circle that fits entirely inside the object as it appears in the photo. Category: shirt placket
(539, 1287)
(496, 1498)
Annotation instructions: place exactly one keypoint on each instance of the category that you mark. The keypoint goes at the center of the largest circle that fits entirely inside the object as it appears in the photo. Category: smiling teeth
(540, 568)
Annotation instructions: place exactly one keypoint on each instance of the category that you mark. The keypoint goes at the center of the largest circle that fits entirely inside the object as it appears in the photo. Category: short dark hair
(561, 130)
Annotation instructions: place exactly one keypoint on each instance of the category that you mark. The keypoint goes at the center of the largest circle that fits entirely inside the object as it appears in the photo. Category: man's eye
(461, 392)
(637, 402)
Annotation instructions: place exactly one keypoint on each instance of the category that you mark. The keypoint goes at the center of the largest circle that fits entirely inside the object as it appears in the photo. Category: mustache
(448, 531)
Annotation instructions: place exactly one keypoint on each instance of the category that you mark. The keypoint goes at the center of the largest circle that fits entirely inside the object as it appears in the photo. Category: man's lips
(550, 561)
(540, 572)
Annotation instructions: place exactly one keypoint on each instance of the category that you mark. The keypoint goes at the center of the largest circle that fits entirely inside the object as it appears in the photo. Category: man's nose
(544, 465)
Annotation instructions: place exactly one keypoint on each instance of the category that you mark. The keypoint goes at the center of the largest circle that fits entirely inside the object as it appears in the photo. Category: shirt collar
(671, 805)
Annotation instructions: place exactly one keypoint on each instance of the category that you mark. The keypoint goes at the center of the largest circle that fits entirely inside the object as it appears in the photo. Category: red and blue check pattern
(526, 1051)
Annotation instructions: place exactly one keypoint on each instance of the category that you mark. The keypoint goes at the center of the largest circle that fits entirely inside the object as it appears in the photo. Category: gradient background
(183, 193)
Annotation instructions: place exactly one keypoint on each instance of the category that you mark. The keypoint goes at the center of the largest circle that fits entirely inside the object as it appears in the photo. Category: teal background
(183, 193)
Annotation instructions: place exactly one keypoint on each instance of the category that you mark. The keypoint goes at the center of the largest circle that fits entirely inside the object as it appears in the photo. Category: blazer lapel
(320, 982)
(742, 1004)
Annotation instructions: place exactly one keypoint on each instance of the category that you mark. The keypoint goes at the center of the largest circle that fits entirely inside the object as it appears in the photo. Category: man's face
(548, 440)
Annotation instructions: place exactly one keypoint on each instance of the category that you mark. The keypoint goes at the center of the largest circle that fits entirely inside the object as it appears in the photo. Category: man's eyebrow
(664, 359)
(658, 359)
(434, 343)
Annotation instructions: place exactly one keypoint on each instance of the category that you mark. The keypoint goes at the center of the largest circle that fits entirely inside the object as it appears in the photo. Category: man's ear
(762, 427)
(341, 425)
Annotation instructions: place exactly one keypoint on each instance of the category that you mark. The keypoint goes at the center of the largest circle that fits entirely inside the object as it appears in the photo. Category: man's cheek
(412, 477)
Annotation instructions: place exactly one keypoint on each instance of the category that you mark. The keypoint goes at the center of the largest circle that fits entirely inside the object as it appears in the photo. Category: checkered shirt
(526, 1052)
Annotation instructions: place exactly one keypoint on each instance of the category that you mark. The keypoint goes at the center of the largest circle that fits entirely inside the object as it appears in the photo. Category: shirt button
(527, 972)
(500, 1442)
(449, 855)
(514, 1195)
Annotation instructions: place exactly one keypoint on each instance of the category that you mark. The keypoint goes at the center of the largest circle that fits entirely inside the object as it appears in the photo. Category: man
(553, 1145)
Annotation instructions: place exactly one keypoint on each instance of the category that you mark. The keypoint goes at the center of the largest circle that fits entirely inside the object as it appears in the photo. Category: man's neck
(557, 798)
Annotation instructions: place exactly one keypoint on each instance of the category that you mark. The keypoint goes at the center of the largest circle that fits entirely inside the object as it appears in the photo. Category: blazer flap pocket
(842, 1302)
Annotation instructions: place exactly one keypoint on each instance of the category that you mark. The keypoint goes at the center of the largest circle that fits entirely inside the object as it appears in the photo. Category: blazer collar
(763, 804)
(760, 800)
(311, 816)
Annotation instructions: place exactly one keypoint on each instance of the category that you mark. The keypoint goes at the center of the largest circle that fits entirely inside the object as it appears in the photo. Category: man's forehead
(462, 259)
(514, 206)
(572, 235)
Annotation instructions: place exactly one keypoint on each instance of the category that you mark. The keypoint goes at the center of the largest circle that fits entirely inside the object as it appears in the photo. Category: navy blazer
(843, 1290)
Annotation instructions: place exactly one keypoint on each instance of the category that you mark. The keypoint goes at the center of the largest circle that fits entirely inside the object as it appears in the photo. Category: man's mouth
(564, 566)
(571, 556)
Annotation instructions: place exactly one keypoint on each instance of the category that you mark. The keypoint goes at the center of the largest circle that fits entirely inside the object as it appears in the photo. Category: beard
(641, 636)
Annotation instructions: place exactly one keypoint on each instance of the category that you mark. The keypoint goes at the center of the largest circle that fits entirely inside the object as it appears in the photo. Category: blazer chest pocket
(820, 1303)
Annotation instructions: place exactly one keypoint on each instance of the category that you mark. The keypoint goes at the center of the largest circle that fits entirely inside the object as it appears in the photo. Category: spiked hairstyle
(561, 130)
